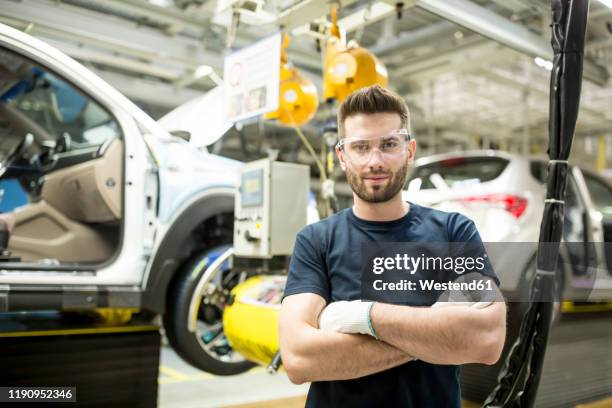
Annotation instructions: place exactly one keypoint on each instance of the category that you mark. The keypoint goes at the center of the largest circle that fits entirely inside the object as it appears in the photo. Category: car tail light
(515, 205)
(453, 161)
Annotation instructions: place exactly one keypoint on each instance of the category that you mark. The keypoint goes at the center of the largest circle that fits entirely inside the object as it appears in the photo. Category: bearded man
(366, 354)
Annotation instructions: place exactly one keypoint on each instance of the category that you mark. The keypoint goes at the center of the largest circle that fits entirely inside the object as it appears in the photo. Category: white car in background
(503, 194)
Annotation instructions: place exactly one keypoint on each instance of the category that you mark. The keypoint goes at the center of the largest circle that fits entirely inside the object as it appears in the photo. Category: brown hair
(373, 99)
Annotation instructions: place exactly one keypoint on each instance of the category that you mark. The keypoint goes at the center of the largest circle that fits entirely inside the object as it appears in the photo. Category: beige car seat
(64, 224)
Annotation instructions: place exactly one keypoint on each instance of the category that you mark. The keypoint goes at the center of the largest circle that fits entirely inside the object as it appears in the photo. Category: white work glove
(475, 305)
(353, 317)
(347, 317)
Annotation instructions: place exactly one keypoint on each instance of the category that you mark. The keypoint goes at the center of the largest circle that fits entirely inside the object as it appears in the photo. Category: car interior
(61, 170)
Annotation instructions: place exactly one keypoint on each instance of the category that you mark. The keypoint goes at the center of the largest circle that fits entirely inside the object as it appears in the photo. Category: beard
(378, 193)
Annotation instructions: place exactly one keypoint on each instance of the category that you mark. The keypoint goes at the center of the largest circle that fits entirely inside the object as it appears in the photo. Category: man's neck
(391, 210)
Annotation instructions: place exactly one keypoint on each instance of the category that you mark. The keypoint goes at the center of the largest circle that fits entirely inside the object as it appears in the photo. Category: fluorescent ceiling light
(200, 72)
(161, 3)
(541, 62)
(606, 3)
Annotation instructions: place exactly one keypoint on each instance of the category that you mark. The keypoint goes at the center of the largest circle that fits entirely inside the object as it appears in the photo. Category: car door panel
(128, 171)
(91, 191)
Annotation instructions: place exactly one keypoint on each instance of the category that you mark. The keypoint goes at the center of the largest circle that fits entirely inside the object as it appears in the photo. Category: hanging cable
(327, 190)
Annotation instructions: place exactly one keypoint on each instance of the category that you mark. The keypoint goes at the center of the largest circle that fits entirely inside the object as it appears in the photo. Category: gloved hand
(347, 317)
(475, 305)
(353, 317)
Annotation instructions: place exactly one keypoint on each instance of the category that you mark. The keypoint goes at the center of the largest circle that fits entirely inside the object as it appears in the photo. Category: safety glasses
(391, 146)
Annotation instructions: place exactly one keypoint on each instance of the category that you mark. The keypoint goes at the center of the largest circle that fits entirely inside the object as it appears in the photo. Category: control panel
(270, 208)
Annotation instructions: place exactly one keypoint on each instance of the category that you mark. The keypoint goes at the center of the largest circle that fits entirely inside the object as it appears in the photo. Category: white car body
(490, 204)
(158, 166)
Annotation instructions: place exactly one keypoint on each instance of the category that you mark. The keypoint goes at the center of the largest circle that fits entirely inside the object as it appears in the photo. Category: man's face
(381, 177)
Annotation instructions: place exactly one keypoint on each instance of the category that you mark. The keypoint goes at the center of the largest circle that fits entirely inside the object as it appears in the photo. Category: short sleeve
(307, 271)
(462, 229)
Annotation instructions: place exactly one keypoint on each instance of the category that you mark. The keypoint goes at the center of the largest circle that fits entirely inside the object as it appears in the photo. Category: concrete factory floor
(573, 342)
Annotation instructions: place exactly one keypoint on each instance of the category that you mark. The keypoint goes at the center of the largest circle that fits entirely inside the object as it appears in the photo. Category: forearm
(317, 355)
(448, 335)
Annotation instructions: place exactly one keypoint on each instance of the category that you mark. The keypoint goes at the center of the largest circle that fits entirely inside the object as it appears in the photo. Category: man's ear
(411, 151)
(341, 159)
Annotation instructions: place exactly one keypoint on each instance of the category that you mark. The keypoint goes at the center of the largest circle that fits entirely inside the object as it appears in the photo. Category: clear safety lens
(392, 145)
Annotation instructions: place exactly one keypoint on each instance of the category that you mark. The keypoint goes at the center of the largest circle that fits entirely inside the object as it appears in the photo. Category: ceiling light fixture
(541, 62)
(199, 73)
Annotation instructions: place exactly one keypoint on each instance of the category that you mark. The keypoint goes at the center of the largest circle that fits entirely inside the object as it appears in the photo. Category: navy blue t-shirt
(326, 261)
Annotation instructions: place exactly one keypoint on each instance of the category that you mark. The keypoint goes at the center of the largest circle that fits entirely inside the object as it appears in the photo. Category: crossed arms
(446, 335)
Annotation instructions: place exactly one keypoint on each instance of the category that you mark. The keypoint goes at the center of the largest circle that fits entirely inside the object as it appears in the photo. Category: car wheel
(194, 319)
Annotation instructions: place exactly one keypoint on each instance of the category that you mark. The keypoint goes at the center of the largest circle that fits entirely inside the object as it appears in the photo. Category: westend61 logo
(413, 264)
(419, 273)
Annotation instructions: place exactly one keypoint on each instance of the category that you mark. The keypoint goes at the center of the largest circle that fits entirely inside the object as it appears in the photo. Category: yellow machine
(298, 99)
(250, 323)
(348, 67)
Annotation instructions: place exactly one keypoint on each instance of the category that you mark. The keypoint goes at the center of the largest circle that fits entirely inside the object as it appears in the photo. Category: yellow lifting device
(348, 67)
(298, 99)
